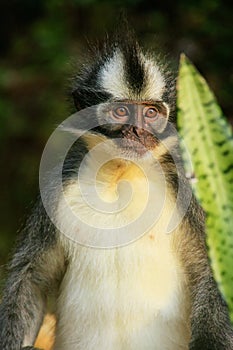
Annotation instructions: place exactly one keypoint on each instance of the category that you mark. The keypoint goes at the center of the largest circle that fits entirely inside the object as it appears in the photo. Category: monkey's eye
(150, 112)
(120, 112)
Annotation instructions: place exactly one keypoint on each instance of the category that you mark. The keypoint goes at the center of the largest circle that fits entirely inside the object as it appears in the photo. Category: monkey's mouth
(137, 141)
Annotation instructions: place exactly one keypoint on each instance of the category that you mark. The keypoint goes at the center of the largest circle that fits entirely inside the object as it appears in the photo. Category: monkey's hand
(30, 348)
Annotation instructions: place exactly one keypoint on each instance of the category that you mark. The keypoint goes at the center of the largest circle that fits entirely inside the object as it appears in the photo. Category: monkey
(120, 277)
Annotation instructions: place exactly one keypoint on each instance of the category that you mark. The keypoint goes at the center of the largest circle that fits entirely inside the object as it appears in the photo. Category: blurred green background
(38, 41)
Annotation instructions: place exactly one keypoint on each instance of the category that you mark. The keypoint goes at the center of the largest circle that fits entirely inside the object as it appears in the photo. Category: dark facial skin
(134, 125)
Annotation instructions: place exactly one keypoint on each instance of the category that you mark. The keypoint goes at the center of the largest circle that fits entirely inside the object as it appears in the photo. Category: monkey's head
(124, 98)
(133, 95)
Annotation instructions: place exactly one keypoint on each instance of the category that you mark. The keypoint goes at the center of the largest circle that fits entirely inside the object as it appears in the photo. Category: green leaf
(209, 140)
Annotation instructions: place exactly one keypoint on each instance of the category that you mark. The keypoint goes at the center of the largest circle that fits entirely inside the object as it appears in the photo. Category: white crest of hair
(112, 79)
(112, 76)
(155, 81)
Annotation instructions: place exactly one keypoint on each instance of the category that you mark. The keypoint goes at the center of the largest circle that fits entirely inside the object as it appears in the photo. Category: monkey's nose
(138, 131)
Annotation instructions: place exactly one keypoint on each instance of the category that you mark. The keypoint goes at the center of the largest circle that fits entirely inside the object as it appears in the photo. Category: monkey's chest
(130, 298)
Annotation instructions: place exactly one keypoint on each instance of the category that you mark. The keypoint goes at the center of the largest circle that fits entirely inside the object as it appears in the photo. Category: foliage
(209, 141)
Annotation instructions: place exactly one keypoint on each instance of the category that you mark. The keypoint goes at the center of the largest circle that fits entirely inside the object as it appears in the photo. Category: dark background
(38, 40)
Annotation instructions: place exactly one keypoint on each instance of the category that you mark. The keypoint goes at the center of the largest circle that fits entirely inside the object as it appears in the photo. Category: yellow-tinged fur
(45, 339)
(124, 298)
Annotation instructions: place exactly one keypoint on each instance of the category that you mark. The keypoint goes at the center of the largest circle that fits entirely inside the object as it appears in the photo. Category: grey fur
(39, 262)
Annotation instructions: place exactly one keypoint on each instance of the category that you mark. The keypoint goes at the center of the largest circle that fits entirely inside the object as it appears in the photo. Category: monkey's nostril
(139, 132)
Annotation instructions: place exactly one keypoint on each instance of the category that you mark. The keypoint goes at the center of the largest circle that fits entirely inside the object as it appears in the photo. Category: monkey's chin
(134, 149)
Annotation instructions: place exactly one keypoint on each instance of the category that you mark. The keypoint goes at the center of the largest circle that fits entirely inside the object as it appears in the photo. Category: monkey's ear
(162, 121)
(166, 110)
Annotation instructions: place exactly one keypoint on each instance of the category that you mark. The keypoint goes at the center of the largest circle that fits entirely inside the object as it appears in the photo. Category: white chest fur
(127, 298)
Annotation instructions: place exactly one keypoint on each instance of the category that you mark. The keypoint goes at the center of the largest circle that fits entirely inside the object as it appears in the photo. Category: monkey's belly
(130, 298)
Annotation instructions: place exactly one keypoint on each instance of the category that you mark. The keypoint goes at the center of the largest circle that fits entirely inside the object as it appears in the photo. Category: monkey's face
(126, 90)
(135, 127)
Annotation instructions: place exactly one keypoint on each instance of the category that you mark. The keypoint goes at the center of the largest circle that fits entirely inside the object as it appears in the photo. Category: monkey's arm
(36, 268)
(210, 324)
(211, 329)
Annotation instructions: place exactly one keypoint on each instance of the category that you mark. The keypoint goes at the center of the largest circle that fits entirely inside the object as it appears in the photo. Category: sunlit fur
(133, 297)
(113, 80)
(130, 298)
(154, 291)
